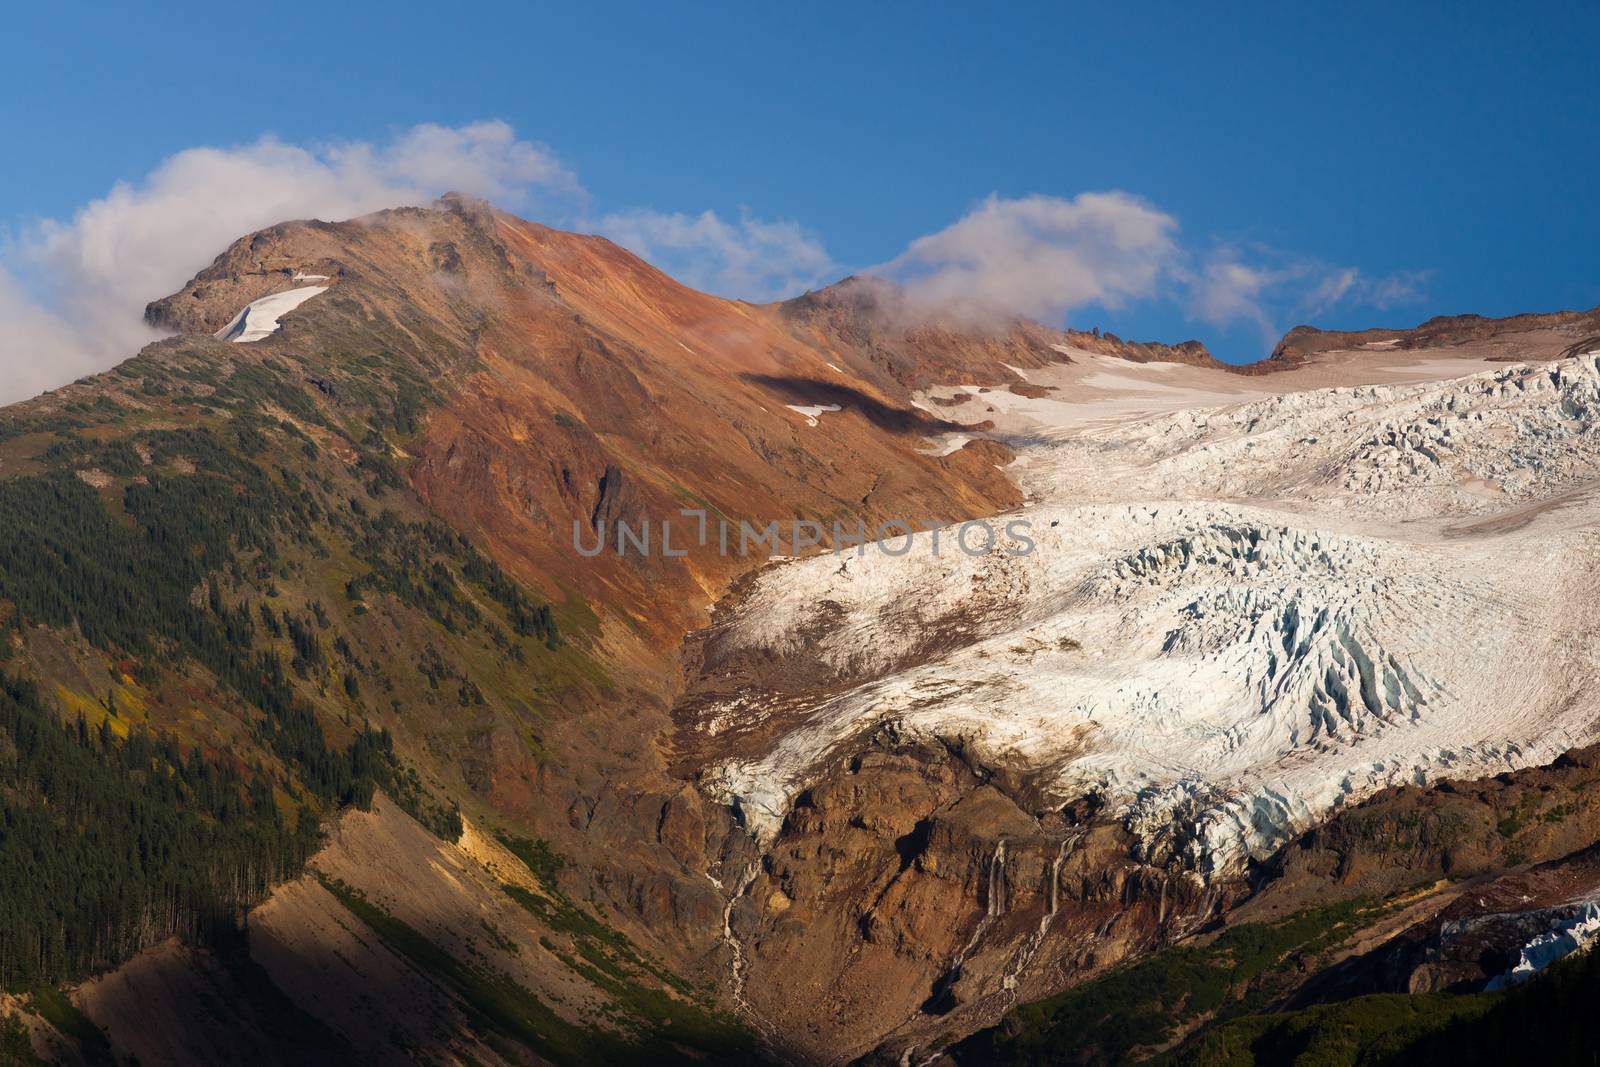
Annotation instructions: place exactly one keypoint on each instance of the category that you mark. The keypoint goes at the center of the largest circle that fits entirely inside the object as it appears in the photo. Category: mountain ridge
(337, 563)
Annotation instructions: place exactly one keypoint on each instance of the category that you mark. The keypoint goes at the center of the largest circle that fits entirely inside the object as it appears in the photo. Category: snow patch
(947, 444)
(259, 318)
(813, 411)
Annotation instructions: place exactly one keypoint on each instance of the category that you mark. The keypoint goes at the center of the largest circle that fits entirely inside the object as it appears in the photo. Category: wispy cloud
(1047, 257)
(1271, 290)
(1040, 256)
(1226, 291)
(72, 293)
(750, 258)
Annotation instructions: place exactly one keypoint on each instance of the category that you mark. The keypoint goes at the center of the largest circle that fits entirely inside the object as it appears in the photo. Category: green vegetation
(1545, 1020)
(65, 561)
(609, 960)
(1367, 1031)
(1216, 997)
(16, 1050)
(217, 575)
(537, 855)
(411, 561)
(53, 1006)
(107, 846)
(1121, 1016)
(198, 552)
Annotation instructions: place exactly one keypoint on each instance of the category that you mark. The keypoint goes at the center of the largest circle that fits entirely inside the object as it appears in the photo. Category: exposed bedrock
(912, 895)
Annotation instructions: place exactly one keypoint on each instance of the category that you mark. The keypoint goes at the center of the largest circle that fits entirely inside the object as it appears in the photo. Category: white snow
(1568, 936)
(947, 443)
(299, 277)
(259, 318)
(1237, 618)
(813, 411)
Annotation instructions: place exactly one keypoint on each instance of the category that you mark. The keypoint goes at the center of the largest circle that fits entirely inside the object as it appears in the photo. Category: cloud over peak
(1040, 256)
(1046, 257)
(750, 259)
(72, 293)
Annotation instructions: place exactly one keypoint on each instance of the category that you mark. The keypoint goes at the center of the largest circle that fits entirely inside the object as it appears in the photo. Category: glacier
(1239, 616)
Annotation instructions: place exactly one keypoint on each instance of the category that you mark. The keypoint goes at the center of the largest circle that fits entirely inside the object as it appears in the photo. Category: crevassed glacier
(1236, 619)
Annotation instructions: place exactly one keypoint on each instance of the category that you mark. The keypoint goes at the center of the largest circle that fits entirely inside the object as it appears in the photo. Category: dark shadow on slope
(807, 392)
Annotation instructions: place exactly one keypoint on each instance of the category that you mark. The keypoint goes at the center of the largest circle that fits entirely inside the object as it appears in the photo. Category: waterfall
(1067, 845)
(737, 964)
(1030, 947)
(994, 907)
(997, 881)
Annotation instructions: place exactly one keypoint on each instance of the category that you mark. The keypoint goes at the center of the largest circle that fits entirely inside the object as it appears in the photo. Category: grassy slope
(202, 547)
(1210, 1005)
(1129, 1013)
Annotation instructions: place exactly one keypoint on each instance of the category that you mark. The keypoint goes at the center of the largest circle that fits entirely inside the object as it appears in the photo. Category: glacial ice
(1237, 618)
(1571, 935)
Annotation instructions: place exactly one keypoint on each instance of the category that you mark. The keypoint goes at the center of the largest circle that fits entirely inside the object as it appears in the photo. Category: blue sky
(1437, 158)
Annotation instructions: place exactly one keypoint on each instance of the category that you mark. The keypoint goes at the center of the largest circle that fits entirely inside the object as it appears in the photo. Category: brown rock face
(1474, 938)
(909, 898)
(1454, 829)
(584, 388)
(1517, 337)
(1515, 851)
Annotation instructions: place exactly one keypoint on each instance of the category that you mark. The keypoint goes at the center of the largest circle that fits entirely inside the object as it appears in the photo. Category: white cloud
(1395, 290)
(72, 293)
(88, 279)
(750, 259)
(1041, 256)
(1226, 291)
(1331, 289)
(1044, 257)
(1272, 290)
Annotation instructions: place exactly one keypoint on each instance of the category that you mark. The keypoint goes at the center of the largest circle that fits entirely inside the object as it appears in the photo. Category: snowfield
(1236, 618)
(812, 412)
(259, 318)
